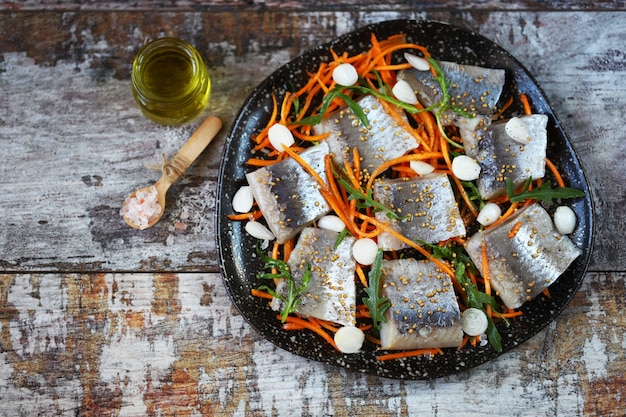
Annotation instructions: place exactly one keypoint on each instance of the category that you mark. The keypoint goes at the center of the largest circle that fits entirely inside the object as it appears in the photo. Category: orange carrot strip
(361, 275)
(526, 104)
(261, 294)
(554, 170)
(514, 230)
(253, 215)
(409, 354)
(485, 268)
(504, 216)
(308, 325)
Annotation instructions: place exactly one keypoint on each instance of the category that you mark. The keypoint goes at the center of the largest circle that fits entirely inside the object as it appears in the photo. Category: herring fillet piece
(287, 195)
(427, 202)
(331, 294)
(424, 312)
(501, 157)
(523, 266)
(383, 140)
(474, 89)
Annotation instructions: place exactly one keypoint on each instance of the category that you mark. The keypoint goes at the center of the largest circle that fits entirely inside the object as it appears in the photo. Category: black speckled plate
(237, 250)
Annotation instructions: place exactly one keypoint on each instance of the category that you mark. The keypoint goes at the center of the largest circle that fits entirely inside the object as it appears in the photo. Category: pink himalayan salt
(141, 208)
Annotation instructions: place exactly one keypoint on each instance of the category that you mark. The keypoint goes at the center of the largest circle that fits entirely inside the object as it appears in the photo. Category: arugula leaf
(376, 303)
(545, 192)
(293, 297)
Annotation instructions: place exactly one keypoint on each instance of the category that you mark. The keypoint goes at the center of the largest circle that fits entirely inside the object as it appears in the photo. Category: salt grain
(141, 208)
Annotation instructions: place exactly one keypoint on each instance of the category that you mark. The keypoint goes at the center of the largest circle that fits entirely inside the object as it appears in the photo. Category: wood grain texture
(313, 5)
(97, 319)
(172, 344)
(74, 136)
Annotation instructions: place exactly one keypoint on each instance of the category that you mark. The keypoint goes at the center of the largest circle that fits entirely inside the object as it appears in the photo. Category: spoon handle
(192, 148)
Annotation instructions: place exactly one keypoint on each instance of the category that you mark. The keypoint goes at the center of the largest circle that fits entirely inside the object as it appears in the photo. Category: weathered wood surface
(75, 144)
(99, 319)
(173, 345)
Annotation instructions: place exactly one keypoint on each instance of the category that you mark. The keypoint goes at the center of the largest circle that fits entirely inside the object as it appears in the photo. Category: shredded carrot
(253, 215)
(485, 268)
(361, 275)
(261, 294)
(526, 104)
(514, 230)
(313, 327)
(554, 170)
(410, 354)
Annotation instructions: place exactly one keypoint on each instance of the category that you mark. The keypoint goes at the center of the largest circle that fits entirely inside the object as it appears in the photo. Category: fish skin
(468, 84)
(520, 268)
(415, 288)
(501, 157)
(429, 200)
(383, 140)
(331, 294)
(288, 196)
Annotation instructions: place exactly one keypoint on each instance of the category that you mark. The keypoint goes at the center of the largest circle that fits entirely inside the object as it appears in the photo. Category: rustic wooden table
(97, 319)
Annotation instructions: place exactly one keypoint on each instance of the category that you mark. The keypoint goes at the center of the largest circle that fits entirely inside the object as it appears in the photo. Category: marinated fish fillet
(501, 157)
(331, 293)
(384, 139)
(287, 195)
(475, 90)
(424, 312)
(522, 266)
(426, 208)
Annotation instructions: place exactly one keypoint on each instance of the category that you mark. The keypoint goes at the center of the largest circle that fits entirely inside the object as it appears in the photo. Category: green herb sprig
(293, 298)
(545, 192)
(376, 303)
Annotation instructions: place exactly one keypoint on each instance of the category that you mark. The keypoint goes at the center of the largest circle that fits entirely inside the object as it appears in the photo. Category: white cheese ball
(489, 214)
(345, 74)
(243, 200)
(259, 231)
(349, 339)
(421, 167)
(474, 322)
(465, 168)
(404, 92)
(331, 222)
(564, 220)
(364, 251)
(279, 135)
(518, 130)
(417, 62)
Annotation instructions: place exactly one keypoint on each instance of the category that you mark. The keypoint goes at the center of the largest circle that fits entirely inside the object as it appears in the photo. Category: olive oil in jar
(170, 81)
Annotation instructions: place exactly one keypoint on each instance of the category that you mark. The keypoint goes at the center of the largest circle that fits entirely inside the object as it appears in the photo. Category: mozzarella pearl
(465, 168)
(564, 220)
(345, 74)
(349, 339)
(474, 322)
(489, 214)
(518, 130)
(331, 222)
(417, 62)
(243, 199)
(421, 167)
(259, 231)
(364, 251)
(404, 92)
(279, 135)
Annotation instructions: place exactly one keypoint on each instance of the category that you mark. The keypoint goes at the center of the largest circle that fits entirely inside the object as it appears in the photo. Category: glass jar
(170, 81)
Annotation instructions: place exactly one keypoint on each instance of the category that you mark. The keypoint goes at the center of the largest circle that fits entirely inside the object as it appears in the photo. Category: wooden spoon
(176, 167)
